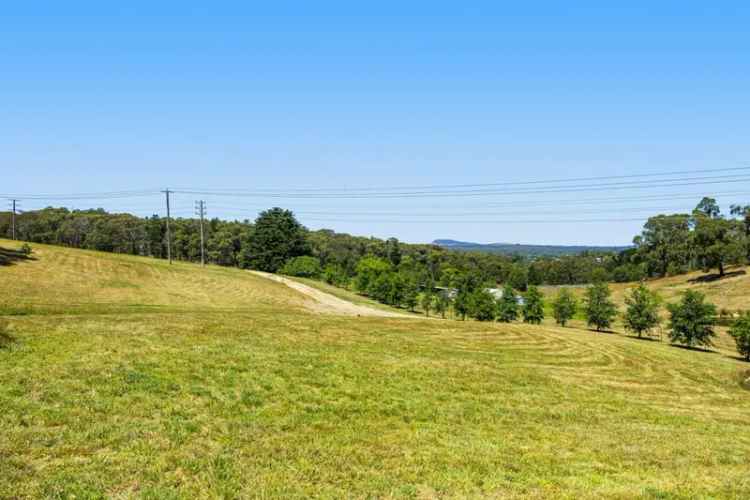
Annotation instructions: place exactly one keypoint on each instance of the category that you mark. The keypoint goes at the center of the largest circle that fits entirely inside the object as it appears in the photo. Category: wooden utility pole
(200, 210)
(169, 234)
(13, 218)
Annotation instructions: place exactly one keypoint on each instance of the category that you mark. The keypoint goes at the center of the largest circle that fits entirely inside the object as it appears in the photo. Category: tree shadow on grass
(8, 256)
(708, 278)
(694, 348)
(645, 339)
(606, 332)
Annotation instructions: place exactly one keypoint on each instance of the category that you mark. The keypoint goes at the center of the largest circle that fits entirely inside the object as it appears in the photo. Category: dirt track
(329, 304)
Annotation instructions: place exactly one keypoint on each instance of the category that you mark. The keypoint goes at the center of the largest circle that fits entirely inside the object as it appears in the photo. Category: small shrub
(26, 249)
(302, 267)
(335, 275)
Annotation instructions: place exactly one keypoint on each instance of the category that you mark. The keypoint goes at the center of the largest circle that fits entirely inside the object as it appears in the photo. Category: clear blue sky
(243, 95)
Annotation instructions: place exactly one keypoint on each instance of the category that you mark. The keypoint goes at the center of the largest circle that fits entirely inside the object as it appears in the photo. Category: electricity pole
(13, 218)
(169, 234)
(200, 210)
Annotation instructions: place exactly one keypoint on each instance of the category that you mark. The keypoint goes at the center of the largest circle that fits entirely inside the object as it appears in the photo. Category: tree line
(240, 244)
(668, 245)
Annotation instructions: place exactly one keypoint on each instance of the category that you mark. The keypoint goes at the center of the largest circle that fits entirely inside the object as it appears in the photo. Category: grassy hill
(126, 377)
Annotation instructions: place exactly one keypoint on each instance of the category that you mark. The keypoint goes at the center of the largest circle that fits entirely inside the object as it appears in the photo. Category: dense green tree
(368, 270)
(507, 305)
(692, 320)
(533, 307)
(393, 251)
(482, 305)
(277, 237)
(740, 330)
(598, 308)
(642, 313)
(665, 244)
(518, 277)
(535, 274)
(411, 293)
(564, 307)
(716, 241)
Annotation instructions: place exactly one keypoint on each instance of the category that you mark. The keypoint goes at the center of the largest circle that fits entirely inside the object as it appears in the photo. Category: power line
(463, 214)
(508, 221)
(426, 194)
(433, 190)
(85, 196)
(542, 202)
(497, 184)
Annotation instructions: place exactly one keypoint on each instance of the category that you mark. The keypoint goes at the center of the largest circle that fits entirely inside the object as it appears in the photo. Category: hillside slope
(124, 377)
(731, 292)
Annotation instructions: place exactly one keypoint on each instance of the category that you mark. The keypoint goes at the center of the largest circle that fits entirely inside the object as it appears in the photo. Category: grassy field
(124, 377)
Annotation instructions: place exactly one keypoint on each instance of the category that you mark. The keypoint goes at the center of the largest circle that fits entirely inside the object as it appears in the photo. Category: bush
(692, 320)
(740, 330)
(335, 275)
(302, 267)
(26, 249)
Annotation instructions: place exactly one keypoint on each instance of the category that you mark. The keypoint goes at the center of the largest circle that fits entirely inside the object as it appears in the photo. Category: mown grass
(219, 384)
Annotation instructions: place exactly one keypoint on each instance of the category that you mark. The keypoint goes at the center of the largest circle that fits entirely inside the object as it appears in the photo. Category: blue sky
(331, 95)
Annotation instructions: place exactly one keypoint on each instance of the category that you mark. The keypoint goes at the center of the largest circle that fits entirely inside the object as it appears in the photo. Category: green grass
(185, 382)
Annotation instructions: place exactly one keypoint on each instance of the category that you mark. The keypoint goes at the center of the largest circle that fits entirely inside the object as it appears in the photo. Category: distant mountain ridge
(526, 250)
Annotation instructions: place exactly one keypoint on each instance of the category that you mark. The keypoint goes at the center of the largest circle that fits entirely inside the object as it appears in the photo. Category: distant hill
(526, 250)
